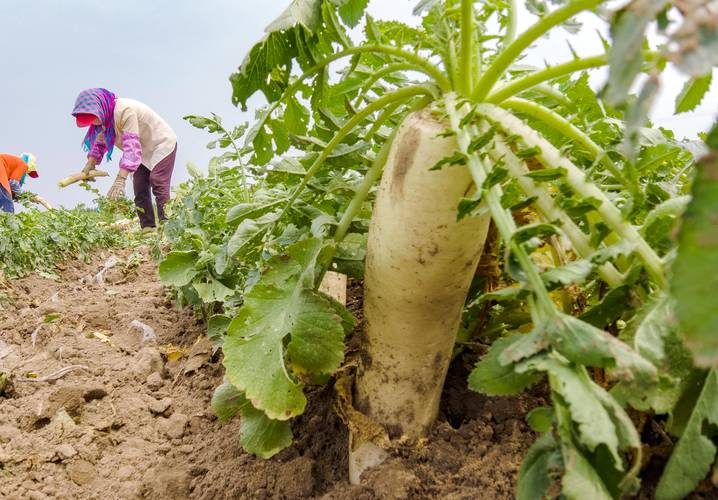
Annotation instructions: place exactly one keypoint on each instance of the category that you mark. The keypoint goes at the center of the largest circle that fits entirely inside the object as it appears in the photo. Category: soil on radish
(138, 424)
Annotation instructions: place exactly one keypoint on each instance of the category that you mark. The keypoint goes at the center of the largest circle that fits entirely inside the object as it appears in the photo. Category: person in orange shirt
(13, 171)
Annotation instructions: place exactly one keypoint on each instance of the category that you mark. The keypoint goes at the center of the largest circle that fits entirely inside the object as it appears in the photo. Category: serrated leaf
(535, 475)
(547, 174)
(455, 159)
(283, 306)
(178, 268)
(692, 287)
(305, 13)
(573, 272)
(492, 377)
(587, 345)
(580, 479)
(466, 206)
(693, 92)
(538, 230)
(351, 11)
(695, 452)
(593, 422)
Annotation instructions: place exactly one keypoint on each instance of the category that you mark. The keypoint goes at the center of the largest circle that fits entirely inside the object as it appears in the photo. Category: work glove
(118, 188)
(89, 166)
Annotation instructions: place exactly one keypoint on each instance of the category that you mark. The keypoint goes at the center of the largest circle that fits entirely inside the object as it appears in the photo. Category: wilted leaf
(492, 377)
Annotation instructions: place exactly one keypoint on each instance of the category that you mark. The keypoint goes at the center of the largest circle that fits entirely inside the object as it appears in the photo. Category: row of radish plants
(403, 154)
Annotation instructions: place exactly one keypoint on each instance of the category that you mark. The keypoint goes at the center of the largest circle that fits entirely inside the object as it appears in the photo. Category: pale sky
(175, 56)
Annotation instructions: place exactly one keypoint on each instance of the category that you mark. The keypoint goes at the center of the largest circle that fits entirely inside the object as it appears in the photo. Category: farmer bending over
(147, 142)
(13, 171)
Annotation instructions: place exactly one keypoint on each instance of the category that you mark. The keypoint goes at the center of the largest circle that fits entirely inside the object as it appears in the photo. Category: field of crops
(531, 269)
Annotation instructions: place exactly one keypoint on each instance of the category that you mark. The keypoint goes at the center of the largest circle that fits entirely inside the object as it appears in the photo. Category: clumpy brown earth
(132, 419)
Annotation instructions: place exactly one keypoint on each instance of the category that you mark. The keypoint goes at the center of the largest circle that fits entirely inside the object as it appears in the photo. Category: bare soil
(135, 420)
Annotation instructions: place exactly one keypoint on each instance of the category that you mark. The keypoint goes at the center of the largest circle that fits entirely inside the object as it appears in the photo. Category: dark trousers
(158, 180)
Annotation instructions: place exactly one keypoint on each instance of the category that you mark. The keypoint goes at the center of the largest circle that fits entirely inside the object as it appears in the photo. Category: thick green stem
(362, 191)
(576, 178)
(550, 211)
(547, 74)
(567, 129)
(467, 47)
(398, 95)
(509, 54)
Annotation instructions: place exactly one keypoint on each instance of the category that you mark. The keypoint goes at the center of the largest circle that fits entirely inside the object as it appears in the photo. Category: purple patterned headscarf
(101, 103)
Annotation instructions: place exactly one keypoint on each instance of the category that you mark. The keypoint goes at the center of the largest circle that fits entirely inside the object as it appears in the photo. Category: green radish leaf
(694, 289)
(695, 452)
(492, 377)
(483, 140)
(178, 268)
(227, 401)
(249, 233)
(573, 272)
(497, 175)
(455, 159)
(537, 468)
(587, 345)
(284, 308)
(467, 206)
(540, 419)
(306, 13)
(528, 152)
(611, 307)
(653, 333)
(296, 117)
(693, 93)
(529, 231)
(547, 174)
(217, 329)
(593, 422)
(214, 291)
(258, 434)
(580, 479)
(351, 11)
(262, 435)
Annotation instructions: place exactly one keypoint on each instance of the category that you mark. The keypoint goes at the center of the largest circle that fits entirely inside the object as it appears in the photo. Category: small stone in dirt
(81, 472)
(167, 482)
(296, 478)
(392, 480)
(65, 451)
(160, 406)
(174, 426)
(155, 381)
(147, 361)
(186, 448)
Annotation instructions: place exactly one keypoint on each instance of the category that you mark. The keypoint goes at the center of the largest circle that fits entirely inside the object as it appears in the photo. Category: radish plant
(584, 197)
